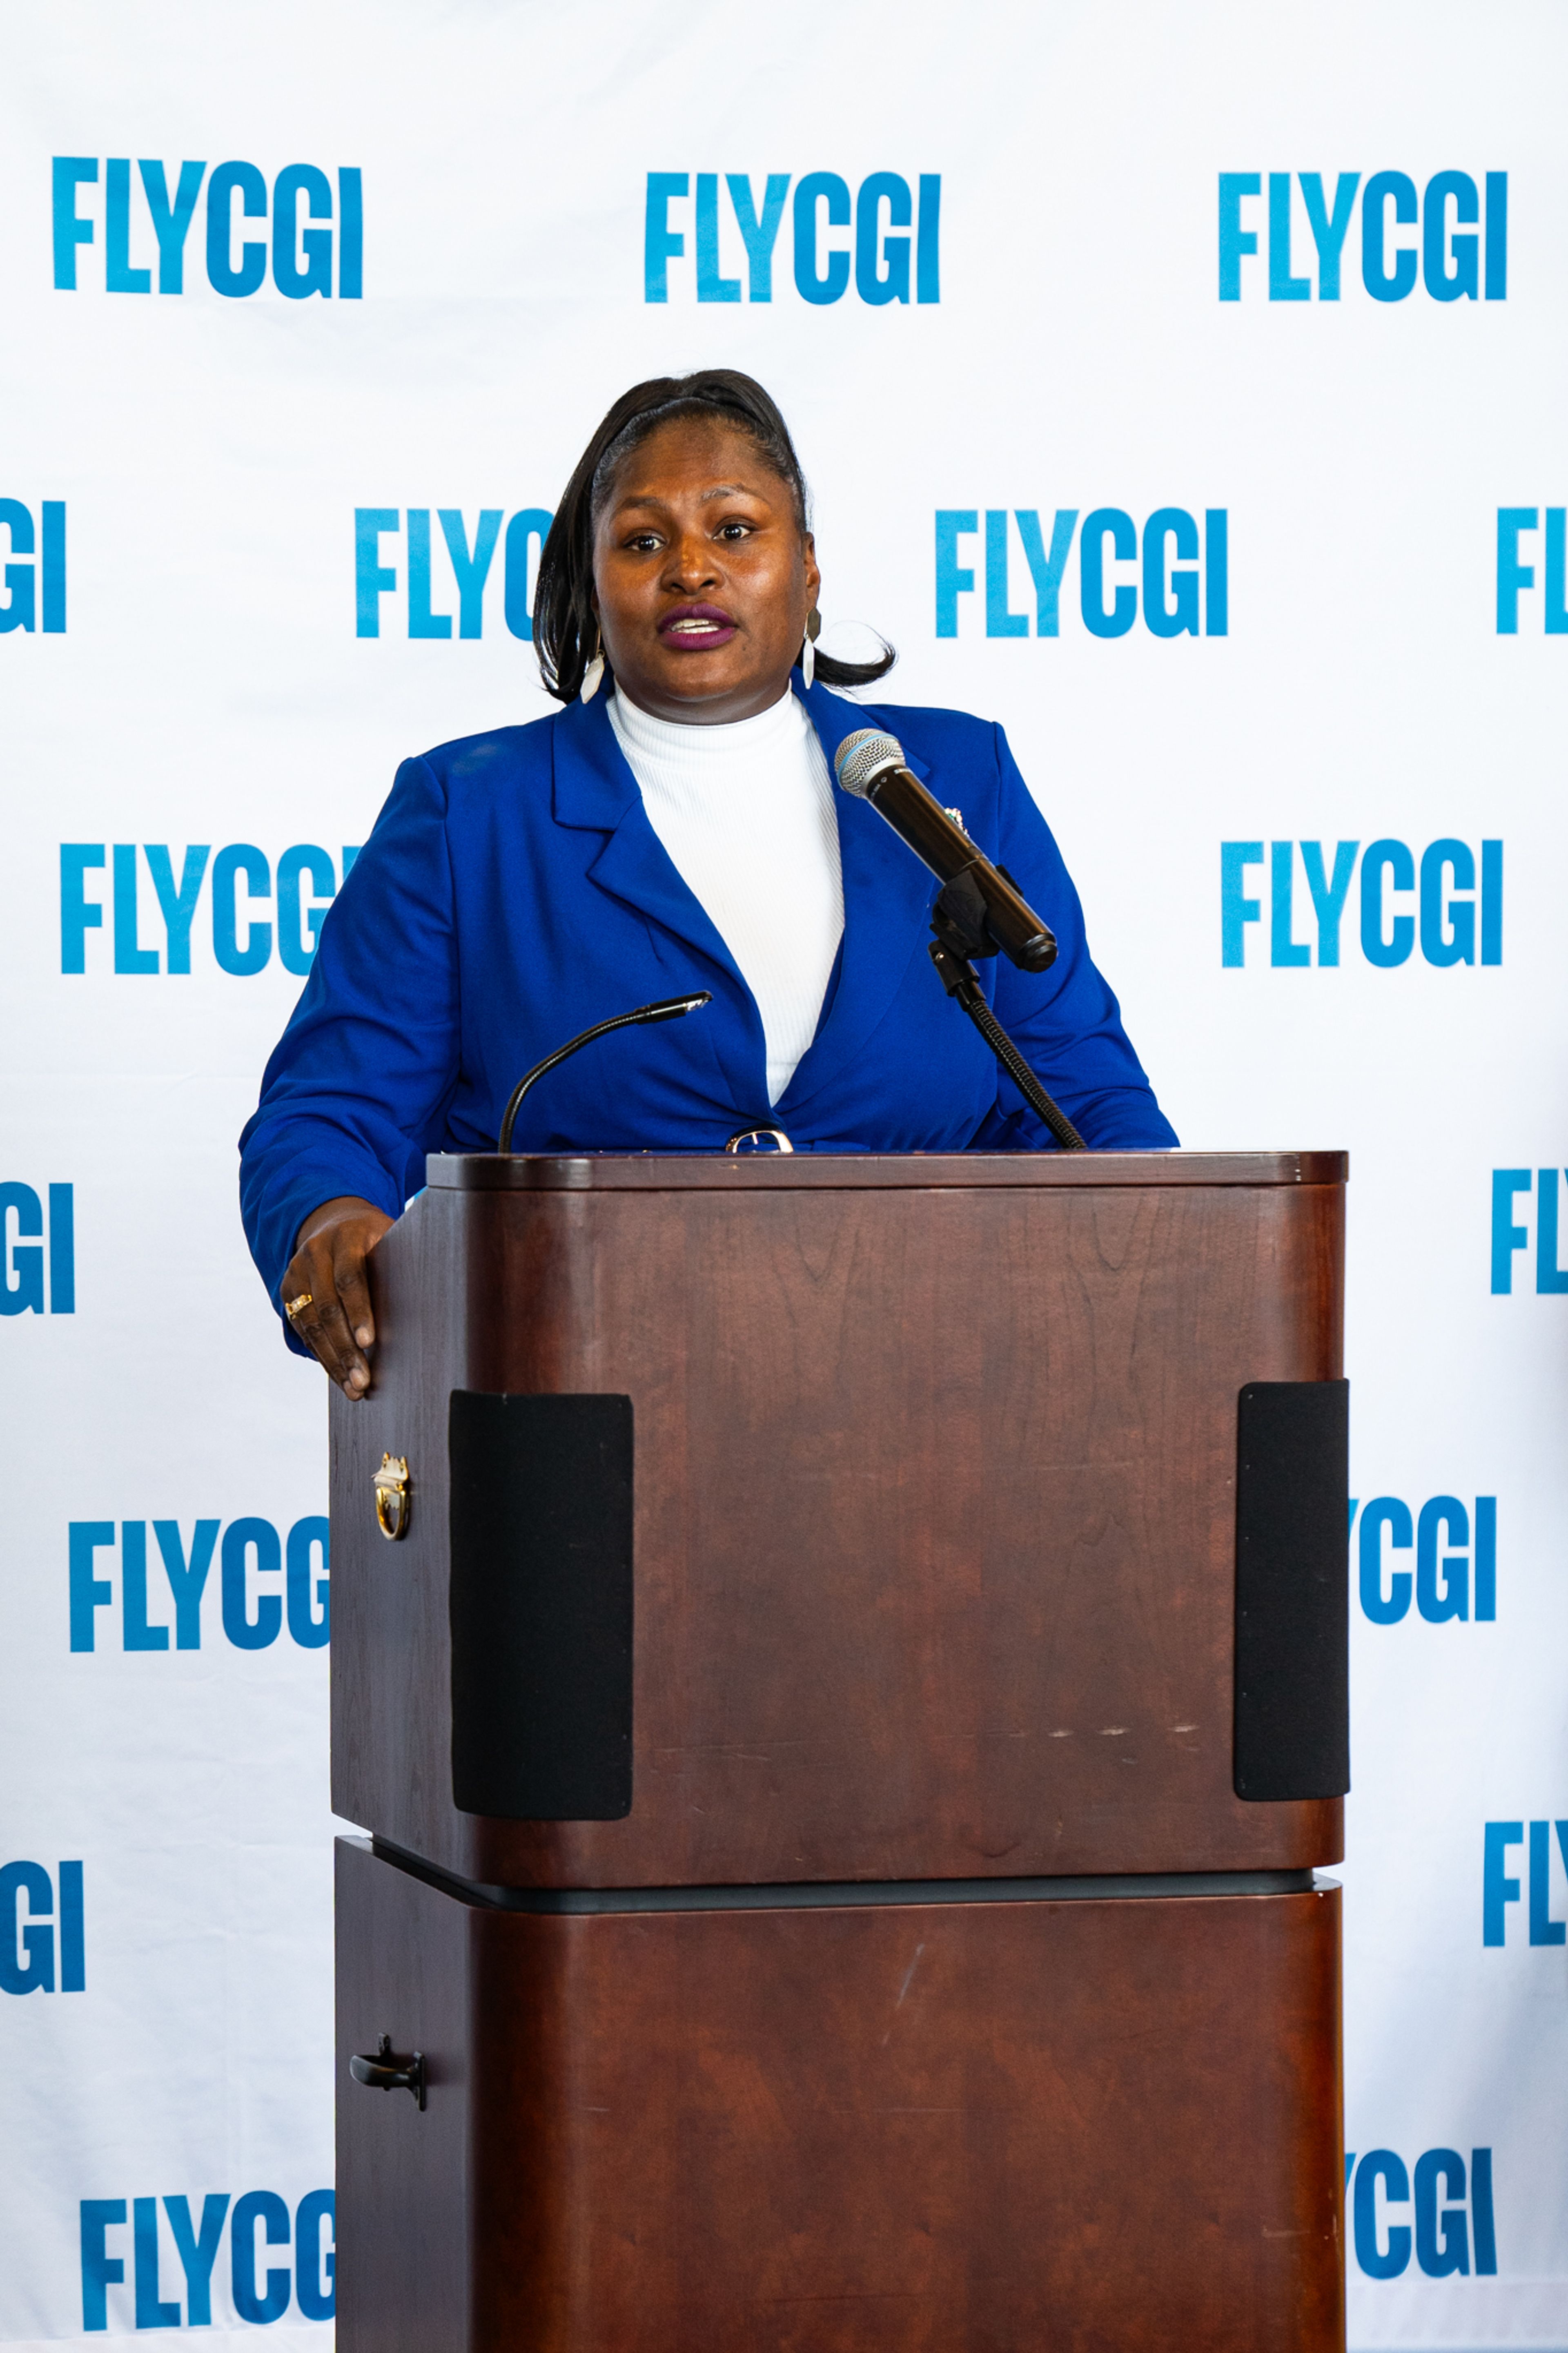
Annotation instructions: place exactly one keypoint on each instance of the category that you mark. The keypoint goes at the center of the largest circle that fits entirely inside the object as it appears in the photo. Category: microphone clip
(959, 921)
(962, 935)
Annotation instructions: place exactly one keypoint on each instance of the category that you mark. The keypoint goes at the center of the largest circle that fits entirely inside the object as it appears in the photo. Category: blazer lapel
(595, 792)
(888, 899)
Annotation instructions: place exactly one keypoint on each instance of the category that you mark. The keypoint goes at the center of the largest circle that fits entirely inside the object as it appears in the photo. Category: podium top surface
(493, 1172)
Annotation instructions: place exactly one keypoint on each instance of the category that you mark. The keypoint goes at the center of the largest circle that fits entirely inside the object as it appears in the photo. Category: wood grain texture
(587, 1172)
(935, 1513)
(403, 2192)
(1096, 2127)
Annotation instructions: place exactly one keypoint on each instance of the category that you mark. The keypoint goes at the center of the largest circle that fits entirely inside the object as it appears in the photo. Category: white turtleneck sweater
(746, 814)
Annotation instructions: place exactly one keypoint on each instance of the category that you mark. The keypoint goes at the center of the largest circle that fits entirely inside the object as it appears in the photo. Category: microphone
(666, 1009)
(871, 764)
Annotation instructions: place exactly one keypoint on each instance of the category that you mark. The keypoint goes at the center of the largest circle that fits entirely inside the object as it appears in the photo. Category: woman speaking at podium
(673, 827)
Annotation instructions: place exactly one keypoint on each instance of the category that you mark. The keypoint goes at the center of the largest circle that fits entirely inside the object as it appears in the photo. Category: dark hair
(566, 630)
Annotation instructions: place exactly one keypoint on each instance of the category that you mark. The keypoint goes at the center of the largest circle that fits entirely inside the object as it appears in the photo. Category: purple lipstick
(696, 628)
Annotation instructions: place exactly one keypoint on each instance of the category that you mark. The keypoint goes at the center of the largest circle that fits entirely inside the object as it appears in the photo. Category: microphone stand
(959, 923)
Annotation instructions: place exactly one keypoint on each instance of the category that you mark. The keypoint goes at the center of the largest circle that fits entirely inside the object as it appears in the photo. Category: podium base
(987, 2126)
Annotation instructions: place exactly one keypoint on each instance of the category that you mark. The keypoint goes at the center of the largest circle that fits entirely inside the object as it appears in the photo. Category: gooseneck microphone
(664, 1008)
(871, 765)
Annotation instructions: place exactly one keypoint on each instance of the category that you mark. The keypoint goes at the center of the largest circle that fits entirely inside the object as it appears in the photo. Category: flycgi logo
(42, 1951)
(263, 1581)
(1516, 579)
(186, 2253)
(35, 573)
(1453, 253)
(1450, 2227)
(1166, 566)
(1440, 1537)
(1510, 1238)
(26, 1258)
(464, 575)
(891, 237)
(1499, 1890)
(1454, 918)
(242, 943)
(324, 259)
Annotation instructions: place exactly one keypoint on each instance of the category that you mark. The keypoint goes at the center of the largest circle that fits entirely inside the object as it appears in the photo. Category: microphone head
(864, 756)
(670, 1008)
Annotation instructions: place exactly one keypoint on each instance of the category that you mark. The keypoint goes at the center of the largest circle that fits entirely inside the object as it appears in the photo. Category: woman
(674, 828)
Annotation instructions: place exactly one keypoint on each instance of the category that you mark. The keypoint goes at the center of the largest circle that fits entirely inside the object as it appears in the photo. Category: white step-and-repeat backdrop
(1184, 387)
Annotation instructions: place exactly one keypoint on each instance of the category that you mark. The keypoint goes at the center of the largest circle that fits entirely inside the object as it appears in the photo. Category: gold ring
(291, 1306)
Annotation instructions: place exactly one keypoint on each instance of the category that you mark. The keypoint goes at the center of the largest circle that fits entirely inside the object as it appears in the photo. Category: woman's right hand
(328, 1265)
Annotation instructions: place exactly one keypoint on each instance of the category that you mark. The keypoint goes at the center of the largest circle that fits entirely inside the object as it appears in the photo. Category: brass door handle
(387, 2073)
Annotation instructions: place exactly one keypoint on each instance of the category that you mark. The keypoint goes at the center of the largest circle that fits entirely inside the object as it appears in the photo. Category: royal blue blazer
(513, 891)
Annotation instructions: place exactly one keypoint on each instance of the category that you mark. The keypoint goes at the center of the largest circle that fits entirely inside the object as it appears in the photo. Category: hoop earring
(593, 675)
(808, 646)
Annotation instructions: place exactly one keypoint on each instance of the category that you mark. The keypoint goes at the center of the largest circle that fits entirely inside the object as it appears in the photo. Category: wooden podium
(847, 1733)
